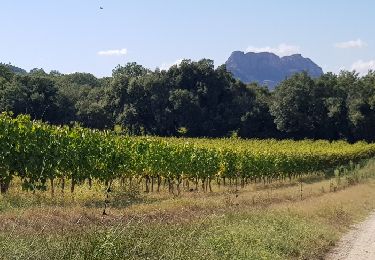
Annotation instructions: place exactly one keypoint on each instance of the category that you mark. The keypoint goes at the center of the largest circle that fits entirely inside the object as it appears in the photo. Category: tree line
(195, 99)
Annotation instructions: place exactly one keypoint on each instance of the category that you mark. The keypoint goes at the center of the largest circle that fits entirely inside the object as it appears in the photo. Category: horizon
(80, 37)
(154, 69)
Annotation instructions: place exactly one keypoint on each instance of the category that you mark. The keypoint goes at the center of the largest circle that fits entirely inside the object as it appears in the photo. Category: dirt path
(358, 244)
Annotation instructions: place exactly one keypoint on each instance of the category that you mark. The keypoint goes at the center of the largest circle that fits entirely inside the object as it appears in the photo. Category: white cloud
(362, 67)
(281, 50)
(350, 44)
(119, 52)
(167, 65)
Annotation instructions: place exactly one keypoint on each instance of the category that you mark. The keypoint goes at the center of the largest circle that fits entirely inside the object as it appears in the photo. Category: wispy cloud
(119, 52)
(167, 65)
(362, 67)
(351, 44)
(282, 50)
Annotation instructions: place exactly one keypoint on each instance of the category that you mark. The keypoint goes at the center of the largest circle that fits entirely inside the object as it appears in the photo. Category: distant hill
(14, 69)
(268, 68)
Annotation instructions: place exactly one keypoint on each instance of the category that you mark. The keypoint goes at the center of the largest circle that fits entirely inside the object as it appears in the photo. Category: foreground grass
(233, 236)
(256, 223)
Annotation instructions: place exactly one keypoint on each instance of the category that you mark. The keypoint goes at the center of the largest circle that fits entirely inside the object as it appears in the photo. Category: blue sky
(76, 35)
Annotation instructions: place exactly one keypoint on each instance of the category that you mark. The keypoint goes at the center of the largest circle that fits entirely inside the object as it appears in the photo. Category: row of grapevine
(39, 153)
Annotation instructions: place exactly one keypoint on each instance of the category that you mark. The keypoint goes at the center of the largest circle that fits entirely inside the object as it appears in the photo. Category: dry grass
(294, 228)
(33, 211)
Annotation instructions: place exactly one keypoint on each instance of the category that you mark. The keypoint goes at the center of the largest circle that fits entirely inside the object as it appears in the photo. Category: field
(260, 221)
(75, 193)
(39, 154)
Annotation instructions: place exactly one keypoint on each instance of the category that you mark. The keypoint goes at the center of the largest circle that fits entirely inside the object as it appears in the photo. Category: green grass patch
(252, 235)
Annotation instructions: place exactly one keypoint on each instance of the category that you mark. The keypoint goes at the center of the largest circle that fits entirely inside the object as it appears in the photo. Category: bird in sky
(101, 8)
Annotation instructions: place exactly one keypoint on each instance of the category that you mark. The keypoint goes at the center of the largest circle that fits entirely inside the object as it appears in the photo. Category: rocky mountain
(268, 68)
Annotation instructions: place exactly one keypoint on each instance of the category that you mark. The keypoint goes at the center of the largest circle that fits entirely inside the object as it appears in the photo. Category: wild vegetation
(195, 99)
(271, 198)
(125, 143)
(262, 220)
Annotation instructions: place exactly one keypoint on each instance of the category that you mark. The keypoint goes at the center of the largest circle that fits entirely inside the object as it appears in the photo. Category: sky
(78, 36)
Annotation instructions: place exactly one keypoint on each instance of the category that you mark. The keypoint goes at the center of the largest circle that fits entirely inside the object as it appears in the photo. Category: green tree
(298, 106)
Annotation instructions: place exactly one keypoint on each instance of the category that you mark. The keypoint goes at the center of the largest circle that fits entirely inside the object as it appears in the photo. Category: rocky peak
(267, 68)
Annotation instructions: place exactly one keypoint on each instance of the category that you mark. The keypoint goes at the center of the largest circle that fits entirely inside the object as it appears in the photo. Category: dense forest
(194, 99)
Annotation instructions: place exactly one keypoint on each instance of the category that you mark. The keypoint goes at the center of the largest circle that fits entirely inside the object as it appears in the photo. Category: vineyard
(39, 154)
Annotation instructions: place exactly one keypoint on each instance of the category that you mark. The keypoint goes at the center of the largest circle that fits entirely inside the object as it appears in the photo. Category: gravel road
(358, 244)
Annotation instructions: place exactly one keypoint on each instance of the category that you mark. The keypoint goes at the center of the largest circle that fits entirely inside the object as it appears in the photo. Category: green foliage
(37, 152)
(182, 131)
(195, 95)
(331, 107)
(5, 73)
(231, 236)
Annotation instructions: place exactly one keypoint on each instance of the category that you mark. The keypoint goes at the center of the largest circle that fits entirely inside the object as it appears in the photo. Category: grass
(258, 222)
(232, 236)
